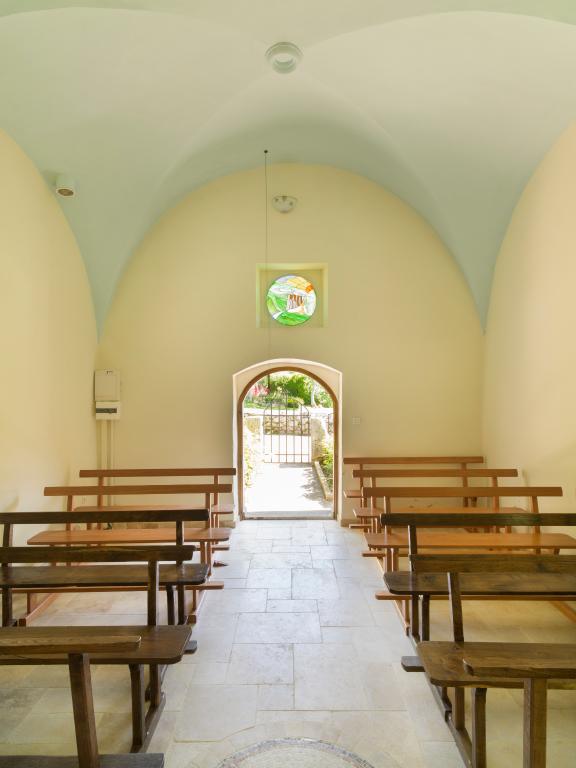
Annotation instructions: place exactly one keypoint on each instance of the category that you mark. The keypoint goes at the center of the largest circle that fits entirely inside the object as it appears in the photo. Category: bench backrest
(161, 472)
(176, 516)
(494, 494)
(412, 461)
(454, 565)
(458, 460)
(493, 474)
(136, 490)
(475, 518)
(210, 491)
(103, 475)
(371, 476)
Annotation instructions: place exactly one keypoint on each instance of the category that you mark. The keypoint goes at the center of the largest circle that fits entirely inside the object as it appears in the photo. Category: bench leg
(170, 605)
(138, 709)
(157, 701)
(83, 706)
(155, 685)
(7, 616)
(415, 617)
(479, 728)
(425, 628)
(181, 604)
(458, 710)
(535, 723)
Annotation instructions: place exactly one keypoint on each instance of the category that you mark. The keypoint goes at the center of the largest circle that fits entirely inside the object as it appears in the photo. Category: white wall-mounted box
(106, 385)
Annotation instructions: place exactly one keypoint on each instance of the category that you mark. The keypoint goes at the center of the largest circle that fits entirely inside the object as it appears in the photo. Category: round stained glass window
(291, 300)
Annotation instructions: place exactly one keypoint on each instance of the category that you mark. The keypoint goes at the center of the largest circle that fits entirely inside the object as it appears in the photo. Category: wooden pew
(369, 516)
(215, 537)
(362, 462)
(216, 508)
(179, 578)
(491, 494)
(159, 645)
(422, 587)
(75, 648)
(206, 538)
(444, 664)
(69, 492)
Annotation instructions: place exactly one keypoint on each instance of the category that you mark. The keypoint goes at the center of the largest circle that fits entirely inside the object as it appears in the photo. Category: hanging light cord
(266, 247)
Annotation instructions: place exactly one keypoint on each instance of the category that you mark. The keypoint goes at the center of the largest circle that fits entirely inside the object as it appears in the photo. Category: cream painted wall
(48, 341)
(530, 385)
(401, 326)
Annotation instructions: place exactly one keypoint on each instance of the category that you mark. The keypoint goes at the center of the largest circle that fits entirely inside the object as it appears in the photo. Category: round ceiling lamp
(284, 203)
(283, 57)
(64, 185)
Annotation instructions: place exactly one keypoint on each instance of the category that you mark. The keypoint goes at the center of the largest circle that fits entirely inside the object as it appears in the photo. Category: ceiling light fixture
(284, 203)
(283, 57)
(65, 185)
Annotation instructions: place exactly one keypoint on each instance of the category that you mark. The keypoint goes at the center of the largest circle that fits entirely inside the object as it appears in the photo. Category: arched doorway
(297, 437)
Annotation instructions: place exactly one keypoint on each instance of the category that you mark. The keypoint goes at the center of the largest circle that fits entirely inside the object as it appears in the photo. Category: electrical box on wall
(107, 394)
(106, 385)
(107, 410)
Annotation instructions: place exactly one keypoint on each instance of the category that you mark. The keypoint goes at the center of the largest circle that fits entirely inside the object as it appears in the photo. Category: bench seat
(158, 646)
(38, 576)
(464, 540)
(443, 663)
(491, 585)
(118, 536)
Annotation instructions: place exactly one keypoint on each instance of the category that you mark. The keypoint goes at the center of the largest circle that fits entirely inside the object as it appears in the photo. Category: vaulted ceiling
(450, 104)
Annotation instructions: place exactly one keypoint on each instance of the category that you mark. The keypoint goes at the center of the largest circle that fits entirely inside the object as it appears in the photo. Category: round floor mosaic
(295, 753)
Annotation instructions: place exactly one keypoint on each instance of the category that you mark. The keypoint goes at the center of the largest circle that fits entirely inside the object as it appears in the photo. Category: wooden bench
(391, 544)
(410, 461)
(70, 492)
(369, 516)
(75, 647)
(217, 509)
(179, 578)
(210, 491)
(493, 495)
(159, 646)
(443, 662)
(206, 538)
(551, 587)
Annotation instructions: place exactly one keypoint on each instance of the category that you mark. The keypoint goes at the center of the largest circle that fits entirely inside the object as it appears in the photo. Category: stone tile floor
(295, 646)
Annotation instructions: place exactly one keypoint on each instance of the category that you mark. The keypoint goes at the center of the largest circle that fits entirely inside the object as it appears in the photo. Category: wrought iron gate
(287, 433)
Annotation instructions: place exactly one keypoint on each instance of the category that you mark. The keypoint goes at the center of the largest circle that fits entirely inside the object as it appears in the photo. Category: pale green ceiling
(450, 105)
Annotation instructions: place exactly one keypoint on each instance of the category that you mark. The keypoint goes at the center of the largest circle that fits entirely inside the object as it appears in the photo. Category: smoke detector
(283, 57)
(284, 203)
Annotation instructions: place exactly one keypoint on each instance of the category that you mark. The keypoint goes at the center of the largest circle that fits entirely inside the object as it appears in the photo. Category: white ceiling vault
(450, 104)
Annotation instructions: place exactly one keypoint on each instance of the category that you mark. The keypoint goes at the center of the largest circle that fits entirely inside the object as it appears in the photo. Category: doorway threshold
(288, 515)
